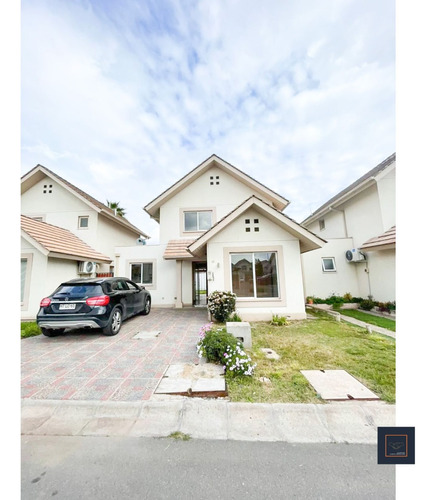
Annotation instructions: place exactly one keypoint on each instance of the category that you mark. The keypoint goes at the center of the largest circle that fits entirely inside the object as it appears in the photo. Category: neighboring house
(47, 197)
(49, 255)
(359, 224)
(220, 229)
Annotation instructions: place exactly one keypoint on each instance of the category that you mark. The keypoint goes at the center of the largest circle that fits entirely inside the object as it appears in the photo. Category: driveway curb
(344, 422)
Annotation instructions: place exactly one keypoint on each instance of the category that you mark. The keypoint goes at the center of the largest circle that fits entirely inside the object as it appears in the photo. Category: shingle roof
(387, 238)
(104, 208)
(60, 241)
(177, 249)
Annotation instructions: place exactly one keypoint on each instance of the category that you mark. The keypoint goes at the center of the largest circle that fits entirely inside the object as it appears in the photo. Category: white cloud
(137, 94)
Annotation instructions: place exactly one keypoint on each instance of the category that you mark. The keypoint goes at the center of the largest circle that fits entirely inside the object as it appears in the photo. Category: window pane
(23, 277)
(204, 221)
(328, 264)
(190, 221)
(266, 274)
(83, 222)
(147, 273)
(242, 274)
(136, 273)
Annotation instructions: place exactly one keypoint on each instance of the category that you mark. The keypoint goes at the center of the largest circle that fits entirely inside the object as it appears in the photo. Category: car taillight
(101, 300)
(45, 302)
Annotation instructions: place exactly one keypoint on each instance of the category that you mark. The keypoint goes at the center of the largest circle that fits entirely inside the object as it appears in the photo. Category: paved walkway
(88, 365)
(347, 422)
(373, 328)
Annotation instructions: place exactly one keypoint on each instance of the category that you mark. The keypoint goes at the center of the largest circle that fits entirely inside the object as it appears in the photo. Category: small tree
(221, 305)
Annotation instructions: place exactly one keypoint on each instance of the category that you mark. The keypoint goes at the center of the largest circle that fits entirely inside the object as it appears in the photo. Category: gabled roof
(385, 241)
(351, 190)
(39, 172)
(58, 242)
(278, 201)
(308, 240)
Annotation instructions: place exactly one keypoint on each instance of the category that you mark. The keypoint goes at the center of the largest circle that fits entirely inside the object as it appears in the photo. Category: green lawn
(29, 329)
(389, 324)
(315, 344)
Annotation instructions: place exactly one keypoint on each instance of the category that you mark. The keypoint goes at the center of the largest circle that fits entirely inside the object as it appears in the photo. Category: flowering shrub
(237, 362)
(221, 305)
(212, 344)
(220, 346)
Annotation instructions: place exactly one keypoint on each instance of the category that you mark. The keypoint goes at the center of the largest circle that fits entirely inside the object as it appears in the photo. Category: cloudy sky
(124, 98)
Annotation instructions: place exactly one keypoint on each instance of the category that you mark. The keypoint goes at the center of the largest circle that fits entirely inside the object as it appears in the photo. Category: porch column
(178, 301)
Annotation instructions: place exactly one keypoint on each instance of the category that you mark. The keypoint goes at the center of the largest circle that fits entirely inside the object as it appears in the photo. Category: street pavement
(118, 468)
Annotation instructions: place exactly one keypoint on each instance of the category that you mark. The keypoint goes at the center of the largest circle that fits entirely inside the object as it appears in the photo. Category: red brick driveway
(86, 365)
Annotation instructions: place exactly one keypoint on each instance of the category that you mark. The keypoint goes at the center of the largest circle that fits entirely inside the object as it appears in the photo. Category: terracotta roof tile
(177, 249)
(58, 240)
(387, 238)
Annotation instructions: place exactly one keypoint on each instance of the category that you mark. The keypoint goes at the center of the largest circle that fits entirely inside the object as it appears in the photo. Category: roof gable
(58, 241)
(308, 240)
(356, 187)
(39, 172)
(278, 201)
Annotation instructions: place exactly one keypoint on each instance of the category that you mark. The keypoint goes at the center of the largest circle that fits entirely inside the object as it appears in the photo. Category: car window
(131, 286)
(77, 291)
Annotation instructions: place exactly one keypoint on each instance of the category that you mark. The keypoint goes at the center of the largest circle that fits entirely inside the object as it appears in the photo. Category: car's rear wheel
(147, 308)
(50, 332)
(115, 322)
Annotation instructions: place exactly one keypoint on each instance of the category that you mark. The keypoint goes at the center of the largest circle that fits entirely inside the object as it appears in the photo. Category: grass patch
(313, 345)
(180, 436)
(29, 329)
(389, 324)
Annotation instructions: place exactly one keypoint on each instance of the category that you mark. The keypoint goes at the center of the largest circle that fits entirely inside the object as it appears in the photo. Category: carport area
(86, 365)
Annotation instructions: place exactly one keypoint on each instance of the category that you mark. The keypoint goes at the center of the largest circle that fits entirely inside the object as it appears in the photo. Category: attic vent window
(214, 180)
(247, 221)
(48, 188)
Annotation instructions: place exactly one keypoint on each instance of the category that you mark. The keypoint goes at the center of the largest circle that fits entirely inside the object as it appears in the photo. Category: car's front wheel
(50, 332)
(115, 322)
(147, 308)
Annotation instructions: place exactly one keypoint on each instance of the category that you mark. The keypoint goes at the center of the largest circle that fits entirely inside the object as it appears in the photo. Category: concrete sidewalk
(346, 422)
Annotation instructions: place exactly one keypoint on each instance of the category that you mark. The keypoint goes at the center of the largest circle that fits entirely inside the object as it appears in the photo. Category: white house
(49, 255)
(220, 229)
(47, 197)
(359, 224)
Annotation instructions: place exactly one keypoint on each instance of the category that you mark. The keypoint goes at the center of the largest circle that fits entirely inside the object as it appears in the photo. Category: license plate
(67, 306)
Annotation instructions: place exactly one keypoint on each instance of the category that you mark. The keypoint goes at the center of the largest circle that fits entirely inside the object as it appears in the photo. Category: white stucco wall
(62, 208)
(382, 275)
(271, 237)
(322, 284)
(199, 194)
(164, 288)
(45, 274)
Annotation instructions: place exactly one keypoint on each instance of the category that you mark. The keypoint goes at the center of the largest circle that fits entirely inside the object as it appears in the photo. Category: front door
(199, 283)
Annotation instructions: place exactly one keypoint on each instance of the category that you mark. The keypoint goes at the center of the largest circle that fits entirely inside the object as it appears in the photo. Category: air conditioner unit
(87, 267)
(355, 255)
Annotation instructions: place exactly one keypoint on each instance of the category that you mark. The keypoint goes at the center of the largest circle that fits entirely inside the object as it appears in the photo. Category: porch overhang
(177, 250)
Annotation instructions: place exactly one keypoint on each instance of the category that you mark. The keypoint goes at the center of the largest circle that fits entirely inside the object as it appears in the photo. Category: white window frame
(254, 297)
(141, 263)
(321, 224)
(83, 217)
(28, 257)
(333, 262)
(197, 230)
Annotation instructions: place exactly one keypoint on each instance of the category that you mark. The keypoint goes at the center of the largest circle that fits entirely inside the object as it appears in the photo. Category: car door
(138, 295)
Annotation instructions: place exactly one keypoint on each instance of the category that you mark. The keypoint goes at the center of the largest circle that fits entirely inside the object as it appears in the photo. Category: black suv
(92, 303)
